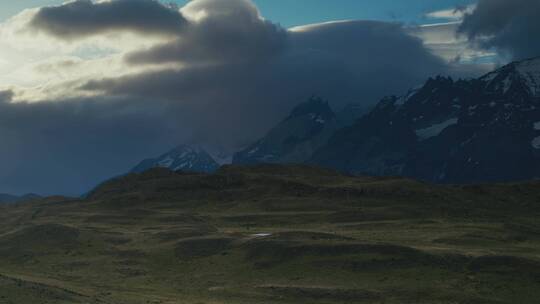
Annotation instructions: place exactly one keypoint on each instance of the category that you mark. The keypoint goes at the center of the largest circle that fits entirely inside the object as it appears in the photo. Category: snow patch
(536, 125)
(529, 71)
(403, 99)
(536, 143)
(253, 150)
(436, 129)
(261, 235)
(507, 83)
(317, 118)
(166, 162)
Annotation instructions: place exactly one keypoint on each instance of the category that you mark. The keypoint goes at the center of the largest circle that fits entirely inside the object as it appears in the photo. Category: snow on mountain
(435, 129)
(184, 158)
(517, 76)
(536, 142)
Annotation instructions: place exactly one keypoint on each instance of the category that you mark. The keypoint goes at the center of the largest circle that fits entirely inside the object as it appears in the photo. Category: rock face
(183, 158)
(295, 139)
(350, 113)
(479, 130)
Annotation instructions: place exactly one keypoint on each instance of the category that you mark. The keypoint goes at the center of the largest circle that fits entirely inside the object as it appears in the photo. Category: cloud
(237, 101)
(6, 96)
(69, 146)
(219, 31)
(509, 27)
(82, 18)
(454, 14)
(345, 61)
(443, 40)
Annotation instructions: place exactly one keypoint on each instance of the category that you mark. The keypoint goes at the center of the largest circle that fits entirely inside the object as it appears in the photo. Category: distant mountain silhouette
(9, 199)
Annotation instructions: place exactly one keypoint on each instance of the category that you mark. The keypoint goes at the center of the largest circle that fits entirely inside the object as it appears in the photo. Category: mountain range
(445, 131)
(294, 140)
(464, 131)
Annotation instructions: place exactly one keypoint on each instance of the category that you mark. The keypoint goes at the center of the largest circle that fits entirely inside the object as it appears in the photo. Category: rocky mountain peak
(293, 140)
(316, 108)
(184, 158)
(520, 79)
(449, 131)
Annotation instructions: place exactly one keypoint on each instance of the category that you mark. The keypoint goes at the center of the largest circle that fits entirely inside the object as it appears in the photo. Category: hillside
(274, 234)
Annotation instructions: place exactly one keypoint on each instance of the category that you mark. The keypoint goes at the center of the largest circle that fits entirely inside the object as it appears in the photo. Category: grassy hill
(274, 234)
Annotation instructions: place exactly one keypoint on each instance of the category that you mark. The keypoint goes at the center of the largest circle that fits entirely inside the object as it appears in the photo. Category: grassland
(274, 234)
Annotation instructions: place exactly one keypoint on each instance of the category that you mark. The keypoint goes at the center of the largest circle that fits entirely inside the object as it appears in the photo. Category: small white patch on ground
(261, 235)
(537, 125)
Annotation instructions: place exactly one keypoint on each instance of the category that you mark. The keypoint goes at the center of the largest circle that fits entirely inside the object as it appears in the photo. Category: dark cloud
(345, 61)
(509, 26)
(82, 18)
(237, 101)
(241, 75)
(233, 103)
(6, 96)
(69, 146)
(230, 32)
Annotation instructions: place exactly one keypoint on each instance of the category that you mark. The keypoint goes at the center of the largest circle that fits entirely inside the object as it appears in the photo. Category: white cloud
(452, 13)
(443, 40)
(37, 66)
(315, 26)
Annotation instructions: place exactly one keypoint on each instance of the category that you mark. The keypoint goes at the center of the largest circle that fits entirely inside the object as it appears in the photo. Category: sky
(300, 12)
(90, 88)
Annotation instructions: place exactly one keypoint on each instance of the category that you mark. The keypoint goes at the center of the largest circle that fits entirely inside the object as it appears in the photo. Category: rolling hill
(274, 234)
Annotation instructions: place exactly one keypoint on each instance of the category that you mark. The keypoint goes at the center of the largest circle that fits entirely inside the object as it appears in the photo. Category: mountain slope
(295, 139)
(184, 158)
(485, 129)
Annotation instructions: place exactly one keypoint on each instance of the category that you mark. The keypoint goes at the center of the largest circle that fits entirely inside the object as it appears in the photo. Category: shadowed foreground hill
(274, 234)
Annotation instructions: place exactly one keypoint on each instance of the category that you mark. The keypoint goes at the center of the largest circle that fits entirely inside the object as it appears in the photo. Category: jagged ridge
(485, 129)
